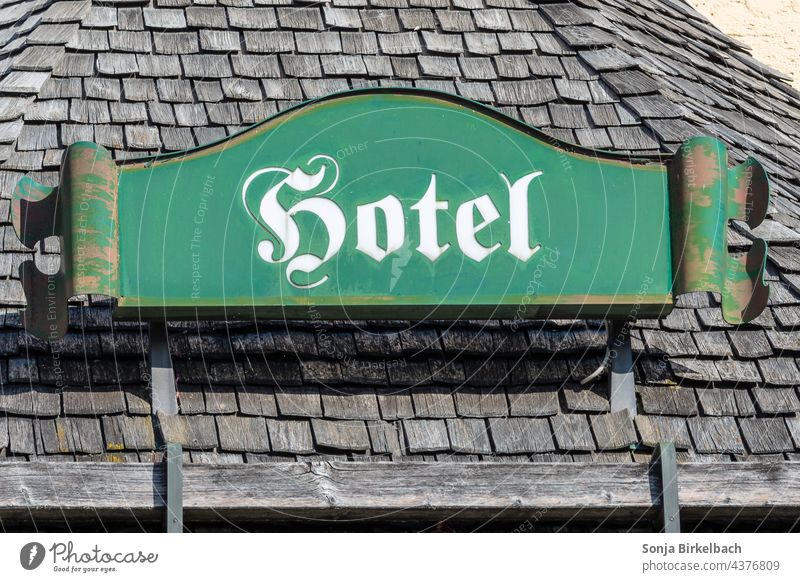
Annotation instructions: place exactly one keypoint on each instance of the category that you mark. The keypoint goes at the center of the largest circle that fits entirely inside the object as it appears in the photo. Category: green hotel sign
(393, 204)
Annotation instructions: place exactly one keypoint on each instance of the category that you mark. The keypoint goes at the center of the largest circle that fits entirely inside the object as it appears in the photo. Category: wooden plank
(332, 489)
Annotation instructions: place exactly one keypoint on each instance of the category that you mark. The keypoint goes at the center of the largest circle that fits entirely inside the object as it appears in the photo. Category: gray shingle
(220, 41)
(176, 43)
(657, 429)
(243, 89)
(66, 11)
(224, 113)
(161, 65)
(53, 34)
(348, 65)
(653, 106)
(243, 433)
(191, 114)
(359, 43)
(318, 42)
(395, 404)
(725, 402)
(572, 432)
(694, 369)
(433, 402)
(12, 108)
(594, 138)
(469, 436)
(425, 436)
(345, 435)
(298, 18)
(585, 400)
(164, 19)
(94, 401)
(175, 90)
(177, 138)
(206, 17)
(401, 43)
(780, 371)
(142, 137)
(565, 14)
(209, 91)
(442, 43)
(482, 43)
(417, 19)
(350, 403)
(192, 432)
(258, 66)
(716, 435)
(521, 42)
(608, 59)
(301, 65)
(777, 400)
(21, 438)
(38, 58)
(29, 400)
(632, 138)
(792, 423)
(205, 66)
(384, 437)
(439, 66)
(341, 17)
(670, 400)
(23, 82)
(614, 430)
(512, 66)
(133, 433)
(89, 111)
(551, 44)
(50, 110)
(100, 17)
(521, 435)
(117, 64)
(304, 402)
(99, 88)
(71, 435)
(632, 82)
(380, 20)
(766, 435)
(128, 112)
(713, 343)
(37, 137)
(290, 436)
(524, 92)
(492, 19)
(130, 41)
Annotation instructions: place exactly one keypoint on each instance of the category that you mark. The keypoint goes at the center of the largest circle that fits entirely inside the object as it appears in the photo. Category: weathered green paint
(83, 212)
(194, 233)
(705, 196)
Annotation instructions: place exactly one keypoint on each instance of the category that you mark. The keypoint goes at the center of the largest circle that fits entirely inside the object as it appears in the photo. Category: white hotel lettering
(279, 221)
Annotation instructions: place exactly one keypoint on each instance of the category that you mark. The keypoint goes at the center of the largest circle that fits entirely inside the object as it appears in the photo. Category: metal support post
(665, 466)
(174, 461)
(162, 376)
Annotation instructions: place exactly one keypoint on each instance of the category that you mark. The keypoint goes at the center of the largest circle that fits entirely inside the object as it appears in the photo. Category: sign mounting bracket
(162, 375)
(621, 384)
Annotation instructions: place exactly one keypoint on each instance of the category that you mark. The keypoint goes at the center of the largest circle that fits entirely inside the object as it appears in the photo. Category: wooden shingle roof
(163, 75)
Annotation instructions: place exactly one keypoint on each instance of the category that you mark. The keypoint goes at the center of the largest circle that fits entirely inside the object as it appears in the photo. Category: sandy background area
(770, 27)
